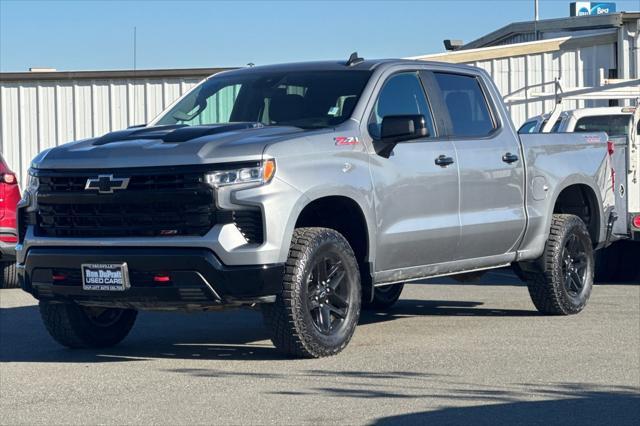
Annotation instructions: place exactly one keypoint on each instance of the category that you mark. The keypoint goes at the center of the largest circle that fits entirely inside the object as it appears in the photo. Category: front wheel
(560, 282)
(318, 310)
(77, 326)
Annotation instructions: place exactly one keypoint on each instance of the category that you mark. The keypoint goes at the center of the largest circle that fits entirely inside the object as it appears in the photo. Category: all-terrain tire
(384, 297)
(293, 327)
(552, 282)
(75, 326)
(9, 275)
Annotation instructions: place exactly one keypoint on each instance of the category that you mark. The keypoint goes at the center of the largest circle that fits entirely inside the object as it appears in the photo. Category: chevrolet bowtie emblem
(106, 184)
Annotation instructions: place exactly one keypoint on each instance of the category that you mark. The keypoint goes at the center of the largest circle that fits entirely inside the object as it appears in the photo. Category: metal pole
(133, 120)
(536, 10)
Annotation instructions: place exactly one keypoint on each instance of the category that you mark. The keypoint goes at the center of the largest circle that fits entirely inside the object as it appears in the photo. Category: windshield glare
(305, 99)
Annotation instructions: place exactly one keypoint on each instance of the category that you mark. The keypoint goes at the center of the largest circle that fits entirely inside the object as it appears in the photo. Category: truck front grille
(159, 204)
(172, 202)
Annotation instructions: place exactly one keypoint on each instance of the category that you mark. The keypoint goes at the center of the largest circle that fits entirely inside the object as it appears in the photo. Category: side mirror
(398, 128)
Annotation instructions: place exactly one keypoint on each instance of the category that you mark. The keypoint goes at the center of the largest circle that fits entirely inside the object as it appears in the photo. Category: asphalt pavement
(445, 354)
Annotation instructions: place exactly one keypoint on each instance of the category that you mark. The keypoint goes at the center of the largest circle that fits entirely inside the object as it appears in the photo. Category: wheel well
(342, 214)
(580, 200)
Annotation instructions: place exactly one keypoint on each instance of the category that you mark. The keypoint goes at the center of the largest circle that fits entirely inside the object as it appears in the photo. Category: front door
(416, 198)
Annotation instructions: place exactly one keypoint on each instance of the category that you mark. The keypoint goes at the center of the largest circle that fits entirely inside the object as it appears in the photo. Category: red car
(9, 197)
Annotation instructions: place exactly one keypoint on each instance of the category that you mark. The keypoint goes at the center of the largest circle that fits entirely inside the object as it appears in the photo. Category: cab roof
(364, 65)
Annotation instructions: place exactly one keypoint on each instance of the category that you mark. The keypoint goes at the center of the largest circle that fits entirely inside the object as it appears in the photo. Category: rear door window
(614, 125)
(466, 103)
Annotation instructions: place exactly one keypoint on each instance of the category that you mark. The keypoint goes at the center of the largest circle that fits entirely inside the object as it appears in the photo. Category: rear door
(492, 212)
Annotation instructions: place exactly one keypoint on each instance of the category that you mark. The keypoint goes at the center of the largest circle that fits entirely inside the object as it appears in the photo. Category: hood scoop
(184, 134)
(172, 133)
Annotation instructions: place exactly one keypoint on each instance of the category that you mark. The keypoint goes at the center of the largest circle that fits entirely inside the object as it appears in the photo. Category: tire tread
(10, 275)
(67, 324)
(283, 318)
(545, 290)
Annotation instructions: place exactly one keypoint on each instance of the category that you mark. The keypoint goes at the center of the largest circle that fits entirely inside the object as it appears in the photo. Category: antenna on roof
(354, 59)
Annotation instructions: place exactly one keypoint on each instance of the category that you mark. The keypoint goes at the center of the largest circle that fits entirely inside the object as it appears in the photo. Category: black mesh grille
(137, 182)
(158, 204)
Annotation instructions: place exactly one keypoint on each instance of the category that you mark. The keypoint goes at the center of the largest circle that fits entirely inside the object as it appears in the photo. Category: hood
(167, 146)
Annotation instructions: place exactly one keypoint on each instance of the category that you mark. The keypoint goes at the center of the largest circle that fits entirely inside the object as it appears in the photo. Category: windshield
(305, 99)
(614, 125)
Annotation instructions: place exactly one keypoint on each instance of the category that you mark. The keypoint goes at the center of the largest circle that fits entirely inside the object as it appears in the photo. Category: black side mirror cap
(398, 128)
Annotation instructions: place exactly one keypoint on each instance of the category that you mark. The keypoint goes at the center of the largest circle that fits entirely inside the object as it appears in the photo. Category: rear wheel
(9, 275)
(385, 296)
(560, 282)
(77, 326)
(318, 310)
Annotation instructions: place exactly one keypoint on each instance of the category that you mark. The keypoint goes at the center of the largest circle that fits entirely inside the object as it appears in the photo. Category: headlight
(32, 183)
(260, 174)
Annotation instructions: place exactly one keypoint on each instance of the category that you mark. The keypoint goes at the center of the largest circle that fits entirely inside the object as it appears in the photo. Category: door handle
(444, 161)
(509, 158)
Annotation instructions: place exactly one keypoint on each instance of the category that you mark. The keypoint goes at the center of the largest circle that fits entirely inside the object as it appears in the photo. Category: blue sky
(91, 35)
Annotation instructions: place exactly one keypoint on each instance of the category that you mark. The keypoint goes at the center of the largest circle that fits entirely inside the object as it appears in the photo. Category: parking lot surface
(445, 354)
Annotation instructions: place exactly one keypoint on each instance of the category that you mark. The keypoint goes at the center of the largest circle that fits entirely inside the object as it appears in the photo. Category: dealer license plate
(105, 276)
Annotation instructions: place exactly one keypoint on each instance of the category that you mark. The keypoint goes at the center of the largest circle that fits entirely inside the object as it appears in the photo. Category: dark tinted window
(556, 126)
(466, 103)
(614, 125)
(402, 94)
(306, 99)
(528, 127)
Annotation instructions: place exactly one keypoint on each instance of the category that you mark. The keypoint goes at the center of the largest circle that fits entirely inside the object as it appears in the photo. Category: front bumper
(198, 278)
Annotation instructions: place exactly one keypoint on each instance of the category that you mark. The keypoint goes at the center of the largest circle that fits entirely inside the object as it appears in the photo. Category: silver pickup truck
(312, 190)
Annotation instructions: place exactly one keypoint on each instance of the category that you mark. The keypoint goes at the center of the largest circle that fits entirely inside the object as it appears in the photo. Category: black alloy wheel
(328, 293)
(574, 266)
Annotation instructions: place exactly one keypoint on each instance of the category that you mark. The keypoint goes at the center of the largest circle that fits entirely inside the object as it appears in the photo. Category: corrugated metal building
(576, 51)
(39, 110)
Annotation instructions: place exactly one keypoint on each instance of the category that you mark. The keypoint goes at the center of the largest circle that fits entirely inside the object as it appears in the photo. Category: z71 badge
(346, 140)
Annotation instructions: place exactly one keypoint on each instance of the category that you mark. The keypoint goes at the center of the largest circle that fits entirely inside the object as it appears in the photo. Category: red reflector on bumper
(59, 277)
(161, 278)
(636, 221)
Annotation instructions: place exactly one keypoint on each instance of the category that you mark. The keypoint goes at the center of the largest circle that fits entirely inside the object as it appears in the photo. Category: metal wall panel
(518, 76)
(36, 115)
